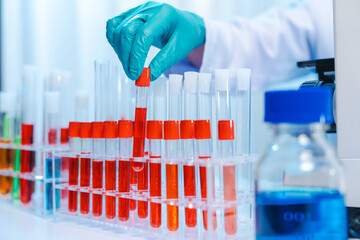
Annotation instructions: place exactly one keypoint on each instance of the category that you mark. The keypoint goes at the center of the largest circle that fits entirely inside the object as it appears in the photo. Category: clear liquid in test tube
(225, 148)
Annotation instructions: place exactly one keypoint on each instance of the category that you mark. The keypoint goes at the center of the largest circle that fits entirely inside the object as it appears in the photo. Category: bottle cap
(97, 130)
(110, 129)
(171, 130)
(226, 130)
(190, 82)
(204, 82)
(154, 129)
(202, 129)
(302, 106)
(187, 129)
(144, 79)
(175, 83)
(64, 135)
(222, 79)
(243, 79)
(125, 128)
(74, 129)
(85, 130)
(27, 133)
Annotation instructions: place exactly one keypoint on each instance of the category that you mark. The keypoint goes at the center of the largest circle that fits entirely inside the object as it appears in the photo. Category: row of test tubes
(181, 167)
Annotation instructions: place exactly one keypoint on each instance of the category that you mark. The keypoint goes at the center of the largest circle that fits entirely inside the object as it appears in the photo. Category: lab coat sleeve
(270, 45)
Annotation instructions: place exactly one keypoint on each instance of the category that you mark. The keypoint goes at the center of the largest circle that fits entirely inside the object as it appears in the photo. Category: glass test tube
(17, 141)
(111, 152)
(187, 132)
(52, 139)
(85, 166)
(204, 144)
(172, 150)
(75, 148)
(125, 134)
(27, 157)
(7, 156)
(98, 152)
(155, 134)
(142, 88)
(225, 147)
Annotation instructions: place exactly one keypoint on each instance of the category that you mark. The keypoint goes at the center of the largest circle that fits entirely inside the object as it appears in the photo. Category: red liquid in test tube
(155, 134)
(27, 163)
(111, 145)
(203, 136)
(142, 86)
(125, 134)
(85, 166)
(97, 167)
(64, 139)
(172, 136)
(74, 134)
(187, 128)
(226, 135)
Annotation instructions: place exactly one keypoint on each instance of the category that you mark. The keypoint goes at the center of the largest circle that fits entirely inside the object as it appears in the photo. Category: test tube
(7, 155)
(75, 148)
(225, 147)
(142, 88)
(125, 134)
(203, 137)
(52, 139)
(243, 111)
(187, 132)
(172, 150)
(85, 166)
(111, 151)
(97, 166)
(155, 134)
(27, 160)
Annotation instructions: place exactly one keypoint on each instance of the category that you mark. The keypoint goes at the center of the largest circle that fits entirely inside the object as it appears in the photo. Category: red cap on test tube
(64, 135)
(154, 129)
(97, 129)
(187, 129)
(110, 129)
(74, 129)
(202, 129)
(171, 130)
(85, 130)
(226, 130)
(144, 79)
(125, 128)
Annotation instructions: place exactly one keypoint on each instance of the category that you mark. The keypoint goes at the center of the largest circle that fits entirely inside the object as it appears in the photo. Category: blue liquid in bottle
(49, 185)
(301, 215)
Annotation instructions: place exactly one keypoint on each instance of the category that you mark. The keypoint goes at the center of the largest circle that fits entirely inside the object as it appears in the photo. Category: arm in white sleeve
(271, 44)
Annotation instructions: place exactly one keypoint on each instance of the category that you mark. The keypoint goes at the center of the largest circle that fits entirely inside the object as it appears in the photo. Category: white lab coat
(272, 43)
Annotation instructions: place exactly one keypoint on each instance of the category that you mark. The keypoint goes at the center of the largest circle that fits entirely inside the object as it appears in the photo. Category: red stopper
(27, 132)
(125, 128)
(74, 129)
(144, 79)
(110, 129)
(226, 130)
(85, 130)
(202, 129)
(187, 129)
(64, 135)
(97, 130)
(154, 129)
(171, 130)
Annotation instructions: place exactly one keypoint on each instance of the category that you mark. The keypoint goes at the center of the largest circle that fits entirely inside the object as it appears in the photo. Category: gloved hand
(174, 31)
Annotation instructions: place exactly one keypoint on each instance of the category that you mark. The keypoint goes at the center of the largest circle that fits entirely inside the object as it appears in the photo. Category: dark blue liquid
(300, 215)
(49, 185)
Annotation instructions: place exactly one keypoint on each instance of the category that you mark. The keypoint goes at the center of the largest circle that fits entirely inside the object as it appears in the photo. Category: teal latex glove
(174, 31)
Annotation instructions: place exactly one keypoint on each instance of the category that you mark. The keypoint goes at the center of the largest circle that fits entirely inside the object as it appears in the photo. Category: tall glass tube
(204, 144)
(187, 127)
(225, 147)
(27, 161)
(75, 149)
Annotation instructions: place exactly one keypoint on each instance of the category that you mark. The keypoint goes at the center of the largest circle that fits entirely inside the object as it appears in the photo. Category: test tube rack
(131, 220)
(30, 189)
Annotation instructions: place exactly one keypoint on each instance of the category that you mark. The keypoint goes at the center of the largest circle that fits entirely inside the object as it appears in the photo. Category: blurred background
(70, 35)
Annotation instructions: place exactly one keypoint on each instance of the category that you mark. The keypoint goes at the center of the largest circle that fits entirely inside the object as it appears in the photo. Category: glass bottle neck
(315, 129)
